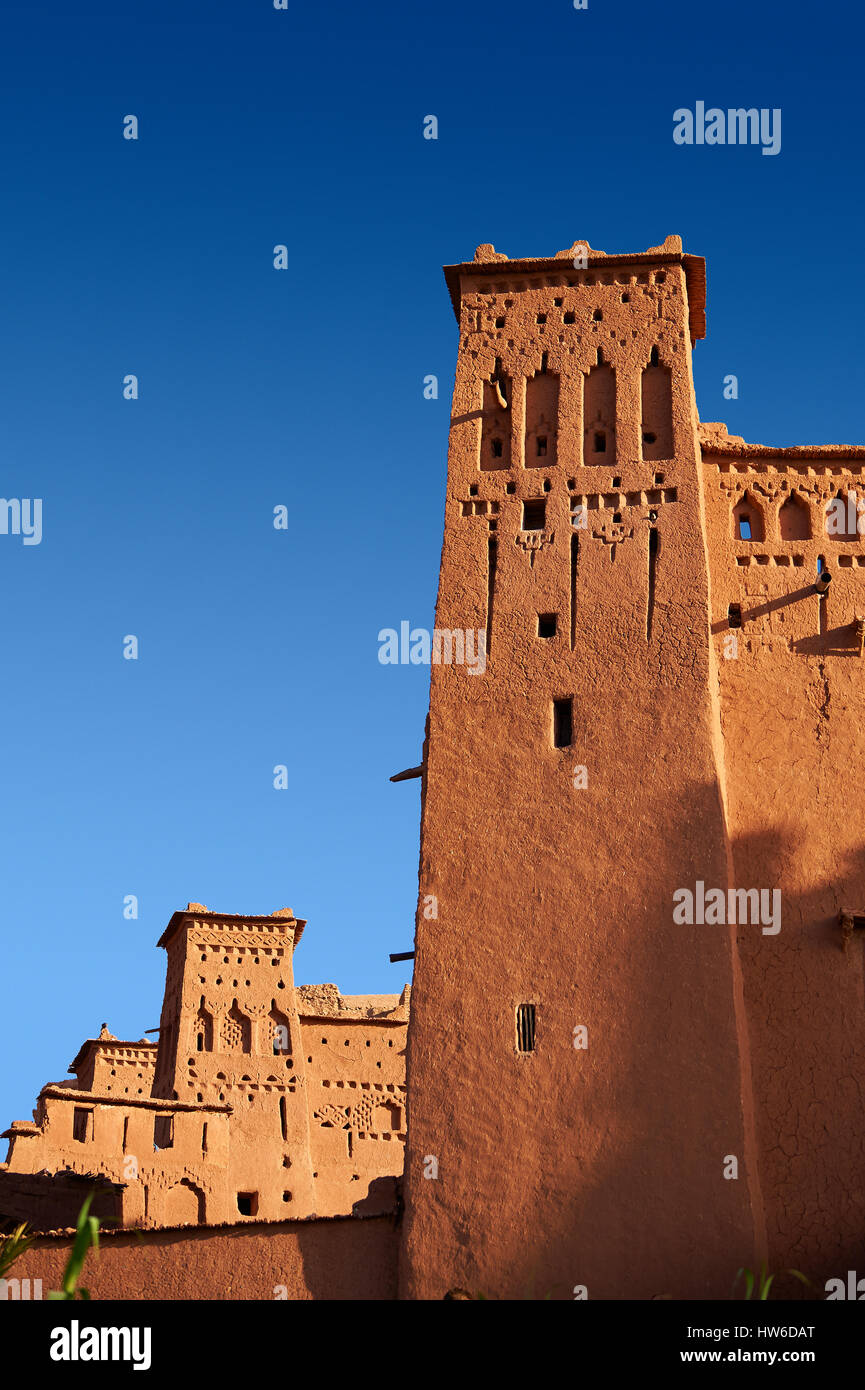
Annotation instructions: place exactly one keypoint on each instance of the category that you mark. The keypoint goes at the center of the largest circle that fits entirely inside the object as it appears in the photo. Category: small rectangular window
(734, 615)
(600, 442)
(497, 448)
(541, 446)
(82, 1125)
(247, 1203)
(535, 514)
(163, 1132)
(744, 529)
(546, 624)
(562, 723)
(525, 1028)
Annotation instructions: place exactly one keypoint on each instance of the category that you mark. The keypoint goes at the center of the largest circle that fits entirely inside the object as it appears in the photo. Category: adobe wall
(329, 1259)
(600, 1167)
(792, 702)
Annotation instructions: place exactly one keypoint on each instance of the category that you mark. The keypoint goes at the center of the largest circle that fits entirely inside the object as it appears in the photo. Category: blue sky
(304, 388)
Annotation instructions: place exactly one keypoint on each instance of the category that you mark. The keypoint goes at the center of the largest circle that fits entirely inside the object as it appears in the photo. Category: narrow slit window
(745, 528)
(563, 723)
(496, 448)
(525, 1028)
(541, 445)
(600, 442)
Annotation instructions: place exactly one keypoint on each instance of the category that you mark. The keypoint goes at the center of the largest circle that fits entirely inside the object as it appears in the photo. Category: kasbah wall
(636, 1029)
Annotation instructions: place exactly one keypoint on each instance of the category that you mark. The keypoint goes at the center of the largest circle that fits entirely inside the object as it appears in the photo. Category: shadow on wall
(806, 1034)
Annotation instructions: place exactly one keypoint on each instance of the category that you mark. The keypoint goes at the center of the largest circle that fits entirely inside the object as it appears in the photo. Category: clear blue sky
(304, 388)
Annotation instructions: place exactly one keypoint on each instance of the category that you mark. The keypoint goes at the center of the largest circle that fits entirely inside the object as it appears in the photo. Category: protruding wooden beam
(407, 775)
(401, 955)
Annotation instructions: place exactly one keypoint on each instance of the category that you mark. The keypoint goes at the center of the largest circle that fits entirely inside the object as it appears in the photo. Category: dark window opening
(570, 317)
(535, 514)
(600, 442)
(557, 302)
(653, 361)
(163, 1132)
(617, 482)
(546, 624)
(510, 487)
(496, 448)
(734, 615)
(541, 445)
(525, 1028)
(648, 437)
(283, 1119)
(626, 299)
(247, 1203)
(659, 477)
(82, 1125)
(562, 723)
(544, 359)
(542, 318)
(500, 323)
(617, 516)
(473, 490)
(597, 316)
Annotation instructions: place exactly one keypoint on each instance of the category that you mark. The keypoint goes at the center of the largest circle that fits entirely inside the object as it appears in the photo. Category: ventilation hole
(546, 624)
(626, 299)
(617, 482)
(570, 317)
(542, 318)
(500, 323)
(510, 487)
(473, 490)
(734, 615)
(547, 485)
(597, 316)
(534, 514)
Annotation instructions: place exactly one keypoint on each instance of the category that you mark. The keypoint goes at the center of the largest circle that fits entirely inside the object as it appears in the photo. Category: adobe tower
(578, 1063)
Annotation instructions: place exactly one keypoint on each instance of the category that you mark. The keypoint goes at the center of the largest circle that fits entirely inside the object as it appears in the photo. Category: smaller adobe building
(262, 1100)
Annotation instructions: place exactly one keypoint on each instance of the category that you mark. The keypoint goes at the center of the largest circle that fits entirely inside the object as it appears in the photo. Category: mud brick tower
(603, 539)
